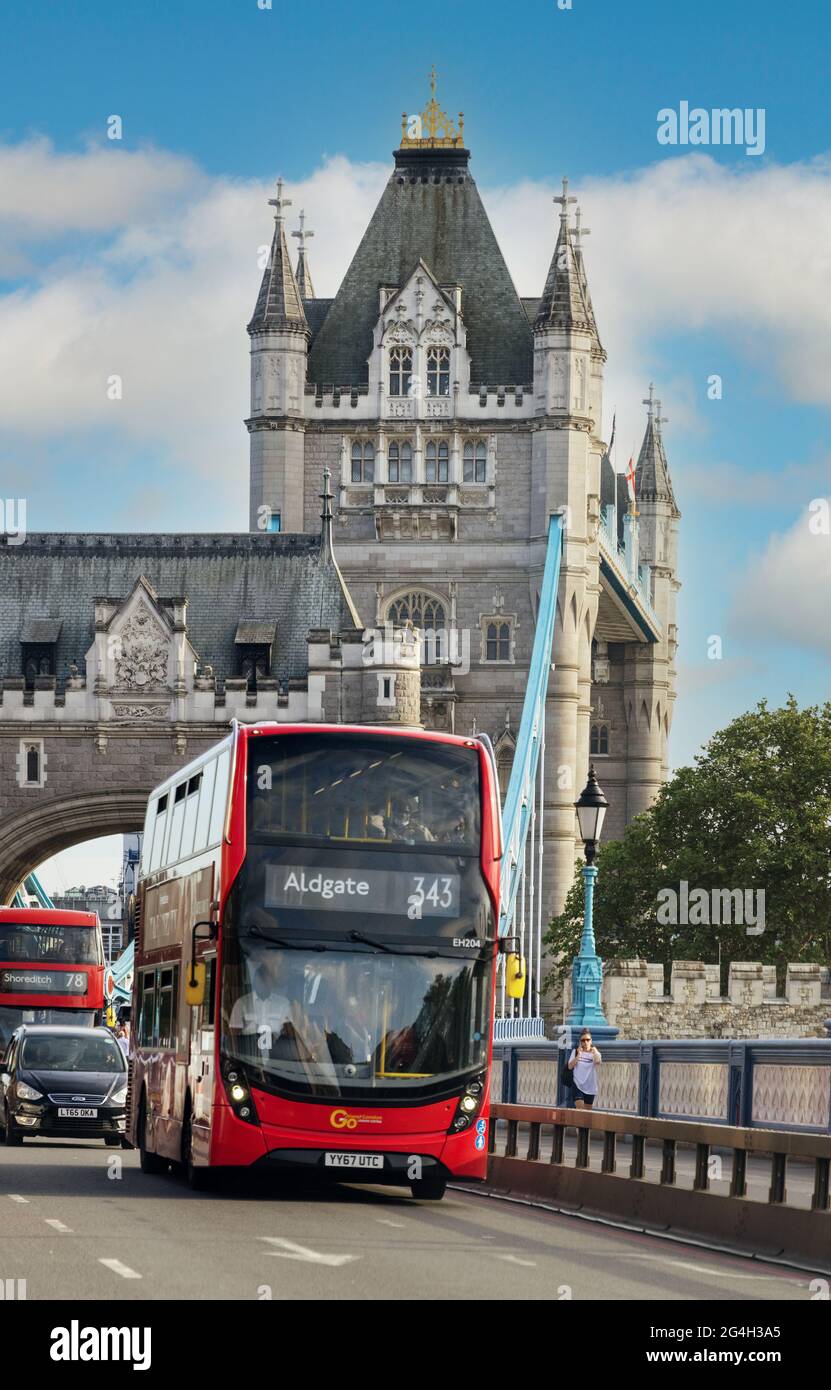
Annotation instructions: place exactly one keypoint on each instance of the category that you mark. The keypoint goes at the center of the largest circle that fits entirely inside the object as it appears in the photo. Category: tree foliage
(753, 813)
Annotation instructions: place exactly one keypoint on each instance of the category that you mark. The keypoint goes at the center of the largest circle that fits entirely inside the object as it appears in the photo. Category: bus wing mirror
(194, 990)
(195, 984)
(515, 976)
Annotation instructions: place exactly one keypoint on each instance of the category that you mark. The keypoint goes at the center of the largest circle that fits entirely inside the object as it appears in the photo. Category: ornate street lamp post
(587, 971)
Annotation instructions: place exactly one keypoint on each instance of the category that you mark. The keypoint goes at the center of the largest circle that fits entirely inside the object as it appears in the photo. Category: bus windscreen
(40, 943)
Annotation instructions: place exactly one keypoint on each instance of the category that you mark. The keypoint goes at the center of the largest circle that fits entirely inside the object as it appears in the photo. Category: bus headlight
(470, 1103)
(28, 1092)
(238, 1092)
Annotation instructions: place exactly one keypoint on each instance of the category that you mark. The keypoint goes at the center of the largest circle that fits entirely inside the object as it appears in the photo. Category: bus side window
(158, 832)
(220, 798)
(203, 817)
(168, 1000)
(191, 808)
(177, 818)
(146, 1029)
(209, 1006)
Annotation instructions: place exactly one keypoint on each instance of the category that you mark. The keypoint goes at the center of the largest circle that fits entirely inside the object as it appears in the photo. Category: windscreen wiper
(256, 930)
(378, 945)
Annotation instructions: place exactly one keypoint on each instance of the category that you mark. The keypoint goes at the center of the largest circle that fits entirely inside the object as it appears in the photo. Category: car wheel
(428, 1189)
(12, 1137)
(148, 1162)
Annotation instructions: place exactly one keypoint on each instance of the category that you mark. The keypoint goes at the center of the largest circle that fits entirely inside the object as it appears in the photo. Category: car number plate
(75, 1112)
(340, 1160)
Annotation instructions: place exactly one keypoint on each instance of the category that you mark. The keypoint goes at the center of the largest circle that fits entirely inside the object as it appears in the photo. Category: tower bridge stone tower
(456, 416)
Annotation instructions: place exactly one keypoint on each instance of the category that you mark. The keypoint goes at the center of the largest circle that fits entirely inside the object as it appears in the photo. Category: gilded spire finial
(433, 128)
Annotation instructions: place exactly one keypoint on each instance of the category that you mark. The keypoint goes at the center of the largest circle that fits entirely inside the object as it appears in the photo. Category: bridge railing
(521, 898)
(760, 1083)
(776, 1228)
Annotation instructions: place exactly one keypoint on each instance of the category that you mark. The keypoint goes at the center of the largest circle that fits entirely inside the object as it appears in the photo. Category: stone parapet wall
(634, 1000)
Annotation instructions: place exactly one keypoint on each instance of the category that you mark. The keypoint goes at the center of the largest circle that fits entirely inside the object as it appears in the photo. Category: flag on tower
(630, 477)
(612, 440)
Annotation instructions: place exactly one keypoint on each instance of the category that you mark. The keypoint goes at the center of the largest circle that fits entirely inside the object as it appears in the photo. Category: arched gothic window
(33, 763)
(599, 740)
(424, 611)
(400, 461)
(437, 461)
(475, 461)
(504, 763)
(401, 370)
(438, 371)
(363, 461)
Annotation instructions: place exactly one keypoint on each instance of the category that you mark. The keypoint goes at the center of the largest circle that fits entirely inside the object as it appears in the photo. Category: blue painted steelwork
(32, 888)
(517, 811)
(122, 968)
(521, 902)
(741, 1058)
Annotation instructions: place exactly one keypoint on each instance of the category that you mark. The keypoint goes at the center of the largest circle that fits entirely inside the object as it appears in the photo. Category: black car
(64, 1082)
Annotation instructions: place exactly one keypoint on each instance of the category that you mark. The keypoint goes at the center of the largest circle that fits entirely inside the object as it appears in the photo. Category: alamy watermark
(448, 646)
(13, 522)
(721, 126)
(705, 907)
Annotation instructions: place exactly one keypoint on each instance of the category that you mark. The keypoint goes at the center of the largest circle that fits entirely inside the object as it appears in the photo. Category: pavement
(80, 1221)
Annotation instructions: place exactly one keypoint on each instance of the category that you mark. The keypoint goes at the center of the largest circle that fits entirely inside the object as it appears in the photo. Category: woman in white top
(583, 1063)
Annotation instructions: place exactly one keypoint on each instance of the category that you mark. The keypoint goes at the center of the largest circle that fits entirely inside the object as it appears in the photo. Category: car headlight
(28, 1092)
(119, 1097)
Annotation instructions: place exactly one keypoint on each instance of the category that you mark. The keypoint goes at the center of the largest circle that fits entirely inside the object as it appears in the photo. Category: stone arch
(31, 836)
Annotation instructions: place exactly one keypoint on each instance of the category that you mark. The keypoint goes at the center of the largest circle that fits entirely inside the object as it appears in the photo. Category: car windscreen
(72, 1052)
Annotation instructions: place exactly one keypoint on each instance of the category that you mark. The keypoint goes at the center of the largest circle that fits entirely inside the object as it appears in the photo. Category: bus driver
(263, 1013)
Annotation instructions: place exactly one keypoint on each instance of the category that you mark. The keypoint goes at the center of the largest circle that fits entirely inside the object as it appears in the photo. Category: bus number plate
(340, 1160)
(74, 1112)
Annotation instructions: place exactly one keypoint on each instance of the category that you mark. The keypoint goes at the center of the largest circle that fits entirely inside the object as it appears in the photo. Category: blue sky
(139, 257)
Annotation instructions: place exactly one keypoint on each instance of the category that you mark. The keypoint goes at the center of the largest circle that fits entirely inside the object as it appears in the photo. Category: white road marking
(13, 1197)
(58, 1225)
(118, 1268)
(514, 1260)
(702, 1269)
(384, 1221)
(290, 1251)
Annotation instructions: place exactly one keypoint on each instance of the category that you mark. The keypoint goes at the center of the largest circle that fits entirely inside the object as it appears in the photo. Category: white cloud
(790, 604)
(150, 272)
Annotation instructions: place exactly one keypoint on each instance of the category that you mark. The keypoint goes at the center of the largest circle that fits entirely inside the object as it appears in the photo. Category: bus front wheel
(198, 1179)
(428, 1189)
(148, 1162)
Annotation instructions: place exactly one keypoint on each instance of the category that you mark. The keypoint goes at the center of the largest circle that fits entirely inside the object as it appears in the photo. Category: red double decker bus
(51, 968)
(314, 976)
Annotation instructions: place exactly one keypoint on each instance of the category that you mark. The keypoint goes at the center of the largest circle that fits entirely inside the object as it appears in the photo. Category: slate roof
(278, 304)
(303, 276)
(287, 580)
(565, 301)
(430, 210)
(653, 483)
(316, 311)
